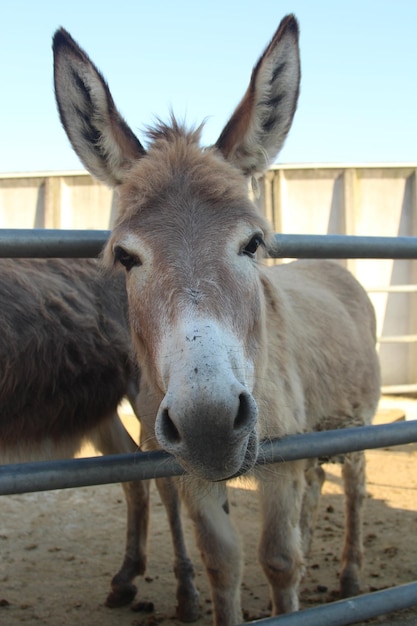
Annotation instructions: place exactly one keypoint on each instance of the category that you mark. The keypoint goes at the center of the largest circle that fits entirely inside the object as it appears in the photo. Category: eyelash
(252, 246)
(125, 258)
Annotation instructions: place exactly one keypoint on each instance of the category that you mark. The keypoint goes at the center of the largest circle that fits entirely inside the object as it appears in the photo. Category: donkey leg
(187, 594)
(280, 551)
(354, 480)
(112, 438)
(219, 546)
(315, 477)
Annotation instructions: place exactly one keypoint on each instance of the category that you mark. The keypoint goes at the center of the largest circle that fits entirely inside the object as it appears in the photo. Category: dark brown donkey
(65, 365)
(232, 351)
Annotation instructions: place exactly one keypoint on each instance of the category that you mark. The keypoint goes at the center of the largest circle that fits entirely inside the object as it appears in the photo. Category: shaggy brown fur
(65, 350)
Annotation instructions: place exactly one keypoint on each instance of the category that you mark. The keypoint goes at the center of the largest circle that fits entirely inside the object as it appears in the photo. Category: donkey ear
(99, 135)
(257, 130)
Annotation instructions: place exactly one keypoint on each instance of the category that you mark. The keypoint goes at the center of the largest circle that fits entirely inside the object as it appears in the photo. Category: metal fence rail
(348, 611)
(29, 477)
(48, 475)
(42, 242)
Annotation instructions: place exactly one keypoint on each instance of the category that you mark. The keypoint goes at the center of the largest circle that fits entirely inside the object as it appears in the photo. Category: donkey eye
(127, 259)
(252, 246)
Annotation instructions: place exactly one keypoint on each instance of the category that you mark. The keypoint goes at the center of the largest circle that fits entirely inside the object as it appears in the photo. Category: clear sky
(358, 99)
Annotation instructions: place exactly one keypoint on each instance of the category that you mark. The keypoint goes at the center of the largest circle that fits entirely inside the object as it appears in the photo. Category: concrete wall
(67, 200)
(360, 200)
(355, 200)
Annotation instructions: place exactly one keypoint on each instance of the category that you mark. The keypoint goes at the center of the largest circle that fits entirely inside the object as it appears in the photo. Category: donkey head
(188, 238)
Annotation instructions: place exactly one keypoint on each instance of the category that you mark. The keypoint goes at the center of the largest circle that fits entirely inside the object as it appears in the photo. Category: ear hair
(98, 133)
(259, 126)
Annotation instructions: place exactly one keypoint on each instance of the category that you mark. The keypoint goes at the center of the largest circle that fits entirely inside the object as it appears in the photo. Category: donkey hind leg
(219, 545)
(187, 594)
(354, 479)
(112, 438)
(280, 550)
(315, 477)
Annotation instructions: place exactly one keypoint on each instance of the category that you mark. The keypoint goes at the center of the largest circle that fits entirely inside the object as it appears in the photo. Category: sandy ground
(58, 550)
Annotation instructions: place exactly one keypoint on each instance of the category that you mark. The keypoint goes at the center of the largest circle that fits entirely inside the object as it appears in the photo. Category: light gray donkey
(232, 352)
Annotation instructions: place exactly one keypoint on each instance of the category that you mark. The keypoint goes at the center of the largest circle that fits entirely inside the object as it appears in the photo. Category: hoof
(188, 608)
(120, 597)
(349, 586)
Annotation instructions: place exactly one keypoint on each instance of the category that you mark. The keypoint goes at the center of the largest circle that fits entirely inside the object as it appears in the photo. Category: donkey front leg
(187, 594)
(219, 545)
(280, 550)
(354, 480)
(112, 438)
(134, 563)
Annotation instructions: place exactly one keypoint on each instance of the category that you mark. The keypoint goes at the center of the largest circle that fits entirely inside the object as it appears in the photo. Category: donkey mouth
(250, 457)
(220, 472)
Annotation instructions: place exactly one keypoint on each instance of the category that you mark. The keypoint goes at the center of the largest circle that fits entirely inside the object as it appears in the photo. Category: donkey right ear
(98, 133)
(257, 130)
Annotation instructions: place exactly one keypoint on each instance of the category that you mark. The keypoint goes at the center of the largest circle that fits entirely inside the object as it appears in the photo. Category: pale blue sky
(358, 99)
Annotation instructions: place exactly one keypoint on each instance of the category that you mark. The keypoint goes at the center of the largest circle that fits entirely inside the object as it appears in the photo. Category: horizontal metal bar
(85, 472)
(350, 611)
(50, 243)
(343, 247)
(48, 475)
(328, 443)
(41, 242)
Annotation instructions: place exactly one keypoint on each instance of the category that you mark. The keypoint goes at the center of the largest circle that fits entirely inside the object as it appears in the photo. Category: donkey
(65, 364)
(232, 351)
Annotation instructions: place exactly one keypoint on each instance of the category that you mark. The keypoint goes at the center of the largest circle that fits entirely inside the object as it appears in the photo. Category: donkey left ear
(98, 133)
(259, 126)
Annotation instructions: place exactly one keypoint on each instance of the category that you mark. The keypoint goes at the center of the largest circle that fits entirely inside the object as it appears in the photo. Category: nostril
(245, 413)
(168, 429)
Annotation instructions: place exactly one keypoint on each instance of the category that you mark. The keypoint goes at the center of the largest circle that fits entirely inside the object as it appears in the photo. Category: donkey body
(65, 365)
(232, 352)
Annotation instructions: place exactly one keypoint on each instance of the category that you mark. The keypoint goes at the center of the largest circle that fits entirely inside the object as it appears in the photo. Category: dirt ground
(58, 550)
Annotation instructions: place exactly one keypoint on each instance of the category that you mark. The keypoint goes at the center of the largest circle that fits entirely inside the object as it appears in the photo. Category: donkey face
(190, 267)
(188, 238)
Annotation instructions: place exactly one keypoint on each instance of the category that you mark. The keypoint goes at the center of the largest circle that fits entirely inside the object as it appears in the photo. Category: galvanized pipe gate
(43, 476)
